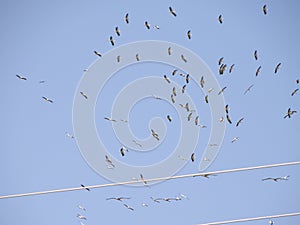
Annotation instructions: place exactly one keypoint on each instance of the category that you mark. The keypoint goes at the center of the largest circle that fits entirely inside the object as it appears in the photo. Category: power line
(150, 180)
(252, 219)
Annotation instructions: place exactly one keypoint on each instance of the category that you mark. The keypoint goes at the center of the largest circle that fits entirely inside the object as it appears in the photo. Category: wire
(252, 219)
(150, 180)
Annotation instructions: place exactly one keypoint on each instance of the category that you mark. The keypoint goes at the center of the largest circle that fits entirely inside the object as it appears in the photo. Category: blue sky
(54, 41)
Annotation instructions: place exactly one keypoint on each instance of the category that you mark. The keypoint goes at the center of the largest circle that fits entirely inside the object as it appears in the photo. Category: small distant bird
(189, 117)
(137, 57)
(48, 99)
(110, 119)
(123, 150)
(169, 118)
(118, 58)
(169, 50)
(206, 98)
(187, 78)
(118, 198)
(155, 200)
(265, 9)
(85, 187)
(228, 119)
(186, 106)
(81, 217)
(202, 82)
(144, 204)
(205, 175)
(117, 31)
(193, 157)
(220, 60)
(111, 40)
(69, 135)
(222, 90)
(248, 89)
(289, 113)
(183, 58)
(174, 72)
(21, 77)
(154, 134)
(174, 91)
(277, 67)
(147, 25)
(142, 178)
(183, 88)
(222, 69)
(239, 122)
(227, 108)
(231, 68)
(257, 71)
(172, 11)
(128, 207)
(157, 27)
(127, 18)
(167, 79)
(221, 119)
(220, 19)
(196, 120)
(81, 207)
(276, 179)
(172, 98)
(255, 55)
(234, 139)
(97, 53)
(84, 95)
(42, 81)
(271, 222)
(108, 160)
(138, 144)
(295, 91)
(189, 34)
(157, 97)
(298, 81)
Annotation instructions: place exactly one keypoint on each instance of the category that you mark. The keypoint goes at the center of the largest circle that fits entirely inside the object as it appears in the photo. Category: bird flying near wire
(85, 187)
(172, 11)
(142, 178)
(21, 77)
(193, 157)
(109, 162)
(276, 179)
(48, 99)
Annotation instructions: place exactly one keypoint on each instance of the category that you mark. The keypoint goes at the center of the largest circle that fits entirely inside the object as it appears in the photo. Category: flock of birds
(222, 69)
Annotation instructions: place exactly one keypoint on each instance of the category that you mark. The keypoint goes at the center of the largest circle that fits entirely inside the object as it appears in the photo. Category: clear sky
(53, 41)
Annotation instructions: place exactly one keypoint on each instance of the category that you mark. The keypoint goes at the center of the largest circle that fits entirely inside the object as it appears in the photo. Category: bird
(167, 79)
(289, 113)
(48, 99)
(202, 82)
(298, 81)
(189, 116)
(227, 108)
(265, 9)
(210, 90)
(110, 119)
(271, 222)
(187, 78)
(205, 175)
(21, 77)
(276, 179)
(81, 217)
(221, 119)
(84, 95)
(144, 204)
(174, 72)
(189, 34)
(117, 31)
(137, 57)
(127, 18)
(81, 207)
(169, 118)
(248, 89)
(255, 55)
(128, 207)
(206, 98)
(69, 135)
(277, 68)
(142, 178)
(295, 91)
(85, 187)
(97, 53)
(154, 134)
(42, 81)
(257, 71)
(234, 139)
(166, 199)
(169, 50)
(222, 90)
(118, 198)
(228, 119)
(147, 25)
(172, 98)
(183, 88)
(110, 163)
(174, 91)
(220, 61)
(172, 11)
(155, 200)
(111, 40)
(220, 19)
(123, 150)
(196, 120)
(157, 27)
(137, 143)
(193, 157)
(183, 58)
(186, 106)
(222, 69)
(231, 68)
(239, 121)
(118, 58)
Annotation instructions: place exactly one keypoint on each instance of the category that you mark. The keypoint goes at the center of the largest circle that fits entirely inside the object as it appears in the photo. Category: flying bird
(222, 90)
(186, 106)
(248, 89)
(118, 58)
(276, 179)
(196, 120)
(81, 207)
(206, 98)
(169, 50)
(239, 122)
(193, 157)
(298, 81)
(128, 207)
(228, 119)
(48, 99)
(289, 113)
(255, 55)
(174, 72)
(169, 118)
(257, 71)
(111, 40)
(271, 222)
(220, 60)
(154, 134)
(265, 9)
(172, 98)
(222, 69)
(138, 144)
(231, 68)
(227, 108)
(117, 31)
(202, 82)
(97, 53)
(172, 11)
(147, 25)
(174, 91)
(137, 57)
(84, 95)
(118, 198)
(127, 18)
(277, 68)
(123, 150)
(110, 119)
(295, 91)
(81, 217)
(167, 79)
(234, 139)
(187, 78)
(69, 135)
(21, 77)
(85, 187)
(183, 88)
(155, 200)
(183, 58)
(42, 81)
(220, 19)
(189, 34)
(189, 116)
(142, 178)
